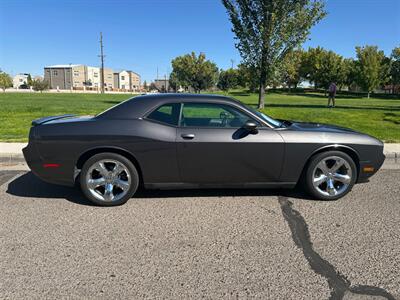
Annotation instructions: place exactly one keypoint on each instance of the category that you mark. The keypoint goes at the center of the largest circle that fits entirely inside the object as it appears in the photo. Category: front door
(213, 147)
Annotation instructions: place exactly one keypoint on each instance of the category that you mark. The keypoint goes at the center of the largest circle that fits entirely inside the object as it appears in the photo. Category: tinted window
(167, 113)
(212, 115)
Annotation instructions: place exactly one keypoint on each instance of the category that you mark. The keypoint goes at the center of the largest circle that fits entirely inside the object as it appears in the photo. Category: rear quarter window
(166, 114)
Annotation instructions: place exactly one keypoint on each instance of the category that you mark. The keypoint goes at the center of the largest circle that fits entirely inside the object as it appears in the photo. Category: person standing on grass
(332, 94)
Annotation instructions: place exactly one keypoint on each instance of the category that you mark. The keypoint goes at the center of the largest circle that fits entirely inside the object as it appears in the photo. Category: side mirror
(250, 126)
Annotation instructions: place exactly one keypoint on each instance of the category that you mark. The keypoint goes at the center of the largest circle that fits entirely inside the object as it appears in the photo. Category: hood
(318, 127)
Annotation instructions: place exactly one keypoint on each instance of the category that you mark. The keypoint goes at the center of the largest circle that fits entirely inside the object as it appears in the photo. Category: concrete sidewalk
(13, 151)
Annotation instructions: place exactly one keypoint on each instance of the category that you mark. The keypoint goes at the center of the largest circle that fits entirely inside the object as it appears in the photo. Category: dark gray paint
(214, 157)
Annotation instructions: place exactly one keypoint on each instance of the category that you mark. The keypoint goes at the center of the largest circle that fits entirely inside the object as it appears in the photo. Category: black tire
(309, 175)
(131, 188)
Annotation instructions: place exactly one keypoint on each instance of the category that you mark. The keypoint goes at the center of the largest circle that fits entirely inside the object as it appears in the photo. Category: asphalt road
(192, 244)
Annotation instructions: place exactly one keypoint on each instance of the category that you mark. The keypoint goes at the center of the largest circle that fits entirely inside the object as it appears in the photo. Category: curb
(395, 155)
(7, 159)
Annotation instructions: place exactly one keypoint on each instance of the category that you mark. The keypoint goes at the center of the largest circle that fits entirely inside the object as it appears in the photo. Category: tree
(5, 81)
(153, 87)
(370, 65)
(384, 74)
(228, 79)
(145, 87)
(323, 67)
(395, 68)
(173, 82)
(40, 85)
(29, 80)
(266, 30)
(347, 73)
(247, 77)
(291, 68)
(194, 71)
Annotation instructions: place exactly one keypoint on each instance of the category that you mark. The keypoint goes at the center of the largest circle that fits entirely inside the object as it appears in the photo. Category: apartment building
(129, 80)
(116, 79)
(60, 76)
(20, 79)
(109, 79)
(93, 77)
(79, 76)
(65, 77)
(162, 85)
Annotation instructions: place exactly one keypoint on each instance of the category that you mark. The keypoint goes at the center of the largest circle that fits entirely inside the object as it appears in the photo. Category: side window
(212, 115)
(167, 114)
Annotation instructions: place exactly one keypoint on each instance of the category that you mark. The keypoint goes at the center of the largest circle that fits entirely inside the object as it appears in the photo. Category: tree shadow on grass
(111, 101)
(29, 186)
(339, 95)
(243, 94)
(385, 108)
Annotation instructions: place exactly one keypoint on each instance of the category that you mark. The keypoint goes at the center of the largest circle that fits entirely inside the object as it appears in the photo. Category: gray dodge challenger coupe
(196, 141)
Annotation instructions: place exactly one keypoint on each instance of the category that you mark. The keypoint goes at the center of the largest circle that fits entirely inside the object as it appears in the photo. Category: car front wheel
(109, 179)
(330, 175)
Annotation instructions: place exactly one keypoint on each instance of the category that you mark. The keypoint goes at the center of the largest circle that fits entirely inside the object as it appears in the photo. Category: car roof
(168, 97)
(138, 106)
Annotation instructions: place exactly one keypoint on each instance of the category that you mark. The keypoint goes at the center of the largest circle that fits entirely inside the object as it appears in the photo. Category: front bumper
(375, 164)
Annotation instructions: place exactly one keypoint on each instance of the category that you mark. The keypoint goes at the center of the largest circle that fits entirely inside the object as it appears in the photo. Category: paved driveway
(212, 244)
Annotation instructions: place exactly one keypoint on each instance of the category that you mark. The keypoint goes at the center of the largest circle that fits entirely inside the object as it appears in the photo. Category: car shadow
(29, 186)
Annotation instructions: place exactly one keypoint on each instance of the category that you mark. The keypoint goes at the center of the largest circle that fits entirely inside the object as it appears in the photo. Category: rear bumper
(57, 175)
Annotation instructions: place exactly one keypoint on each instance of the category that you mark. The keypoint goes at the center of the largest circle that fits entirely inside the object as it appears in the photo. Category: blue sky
(142, 35)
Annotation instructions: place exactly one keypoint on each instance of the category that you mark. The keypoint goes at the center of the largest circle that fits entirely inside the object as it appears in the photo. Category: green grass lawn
(377, 117)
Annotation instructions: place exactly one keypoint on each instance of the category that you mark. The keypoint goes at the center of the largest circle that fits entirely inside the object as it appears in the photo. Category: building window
(95, 74)
(122, 77)
(76, 73)
(55, 72)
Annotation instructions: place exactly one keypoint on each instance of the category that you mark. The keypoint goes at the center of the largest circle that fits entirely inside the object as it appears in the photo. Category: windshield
(271, 121)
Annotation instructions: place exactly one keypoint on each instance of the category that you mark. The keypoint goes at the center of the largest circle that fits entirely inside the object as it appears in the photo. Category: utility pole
(232, 62)
(102, 64)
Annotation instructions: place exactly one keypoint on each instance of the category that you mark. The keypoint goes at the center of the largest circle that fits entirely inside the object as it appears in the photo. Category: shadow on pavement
(28, 185)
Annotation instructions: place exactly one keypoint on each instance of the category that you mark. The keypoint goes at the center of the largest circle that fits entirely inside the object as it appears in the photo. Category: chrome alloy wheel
(108, 180)
(332, 176)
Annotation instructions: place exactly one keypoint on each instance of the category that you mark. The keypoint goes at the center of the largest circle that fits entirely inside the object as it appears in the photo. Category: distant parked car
(24, 87)
(196, 141)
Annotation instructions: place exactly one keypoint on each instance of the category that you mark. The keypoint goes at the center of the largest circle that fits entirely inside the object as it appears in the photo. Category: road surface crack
(338, 283)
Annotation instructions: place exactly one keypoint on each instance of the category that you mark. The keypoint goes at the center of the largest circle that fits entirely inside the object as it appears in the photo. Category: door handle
(187, 136)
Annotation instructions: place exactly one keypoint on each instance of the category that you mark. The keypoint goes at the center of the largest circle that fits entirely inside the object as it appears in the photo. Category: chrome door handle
(187, 136)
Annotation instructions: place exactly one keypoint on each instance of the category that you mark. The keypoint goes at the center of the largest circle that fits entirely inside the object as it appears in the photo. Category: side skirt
(249, 185)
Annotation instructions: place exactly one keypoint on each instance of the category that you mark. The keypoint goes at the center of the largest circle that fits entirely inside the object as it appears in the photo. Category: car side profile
(166, 141)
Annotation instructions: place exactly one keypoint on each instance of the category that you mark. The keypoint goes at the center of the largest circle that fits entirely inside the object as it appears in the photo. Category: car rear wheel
(109, 179)
(330, 175)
